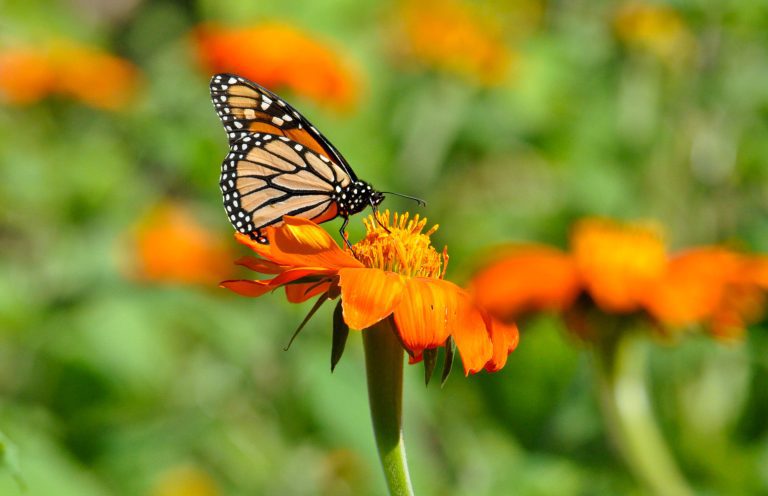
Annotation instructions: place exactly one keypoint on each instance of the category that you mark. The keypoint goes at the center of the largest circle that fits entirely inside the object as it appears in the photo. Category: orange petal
(260, 265)
(297, 293)
(248, 288)
(299, 235)
(368, 295)
(302, 239)
(471, 333)
(505, 338)
(426, 308)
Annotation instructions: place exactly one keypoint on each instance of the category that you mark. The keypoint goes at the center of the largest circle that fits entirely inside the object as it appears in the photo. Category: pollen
(398, 243)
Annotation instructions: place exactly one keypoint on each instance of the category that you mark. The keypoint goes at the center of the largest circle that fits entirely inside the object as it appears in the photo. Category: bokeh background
(124, 369)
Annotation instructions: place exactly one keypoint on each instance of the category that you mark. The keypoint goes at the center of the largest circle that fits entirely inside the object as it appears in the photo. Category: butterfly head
(356, 196)
(376, 198)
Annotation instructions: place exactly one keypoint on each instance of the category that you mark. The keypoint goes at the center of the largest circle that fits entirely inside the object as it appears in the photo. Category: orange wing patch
(245, 107)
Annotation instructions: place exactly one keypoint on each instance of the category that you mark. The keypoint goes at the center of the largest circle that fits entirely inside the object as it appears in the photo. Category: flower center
(399, 245)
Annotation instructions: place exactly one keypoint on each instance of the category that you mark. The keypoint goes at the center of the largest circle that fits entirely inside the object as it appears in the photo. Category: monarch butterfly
(280, 164)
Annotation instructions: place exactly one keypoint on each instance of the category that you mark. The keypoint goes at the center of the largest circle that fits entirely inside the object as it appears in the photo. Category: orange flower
(84, 73)
(618, 263)
(624, 269)
(526, 278)
(711, 285)
(394, 273)
(658, 29)
(453, 36)
(277, 55)
(171, 246)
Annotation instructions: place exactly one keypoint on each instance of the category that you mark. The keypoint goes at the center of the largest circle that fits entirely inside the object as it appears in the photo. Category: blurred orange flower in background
(713, 285)
(170, 246)
(395, 273)
(623, 268)
(26, 75)
(618, 263)
(456, 37)
(62, 67)
(524, 279)
(184, 480)
(655, 28)
(277, 56)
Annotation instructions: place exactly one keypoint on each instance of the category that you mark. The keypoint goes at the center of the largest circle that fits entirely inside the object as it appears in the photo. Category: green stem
(621, 368)
(384, 368)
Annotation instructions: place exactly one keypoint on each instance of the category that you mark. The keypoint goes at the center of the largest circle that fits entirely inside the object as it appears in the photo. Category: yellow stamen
(405, 249)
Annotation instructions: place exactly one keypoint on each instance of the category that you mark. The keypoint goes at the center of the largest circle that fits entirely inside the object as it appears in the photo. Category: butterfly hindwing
(245, 108)
(266, 176)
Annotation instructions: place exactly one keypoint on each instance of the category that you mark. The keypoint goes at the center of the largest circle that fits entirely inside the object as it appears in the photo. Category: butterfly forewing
(266, 176)
(246, 108)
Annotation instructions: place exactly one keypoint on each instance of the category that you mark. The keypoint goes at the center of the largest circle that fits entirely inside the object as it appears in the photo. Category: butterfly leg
(343, 232)
(376, 216)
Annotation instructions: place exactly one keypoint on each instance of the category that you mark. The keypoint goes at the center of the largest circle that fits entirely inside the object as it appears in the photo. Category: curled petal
(470, 331)
(425, 313)
(368, 295)
(291, 275)
(260, 265)
(505, 338)
(258, 288)
(297, 293)
(248, 288)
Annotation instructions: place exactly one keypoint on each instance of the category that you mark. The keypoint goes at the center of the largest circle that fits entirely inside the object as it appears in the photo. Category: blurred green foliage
(108, 383)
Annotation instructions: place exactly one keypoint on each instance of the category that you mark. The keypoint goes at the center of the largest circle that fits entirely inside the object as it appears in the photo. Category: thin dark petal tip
(430, 361)
(340, 335)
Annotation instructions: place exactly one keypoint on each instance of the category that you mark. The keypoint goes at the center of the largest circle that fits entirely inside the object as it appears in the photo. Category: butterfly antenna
(421, 202)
